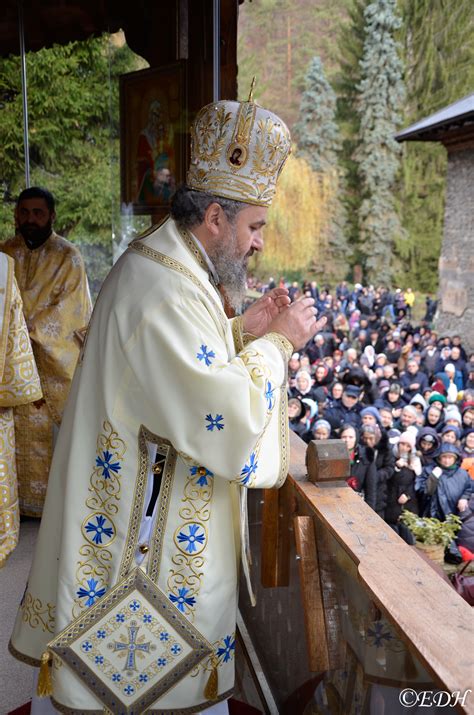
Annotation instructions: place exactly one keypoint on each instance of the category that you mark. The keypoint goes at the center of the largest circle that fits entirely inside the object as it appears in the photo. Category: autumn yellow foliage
(296, 230)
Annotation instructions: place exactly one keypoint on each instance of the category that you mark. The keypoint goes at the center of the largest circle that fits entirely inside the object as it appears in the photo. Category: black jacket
(402, 482)
(363, 469)
(385, 465)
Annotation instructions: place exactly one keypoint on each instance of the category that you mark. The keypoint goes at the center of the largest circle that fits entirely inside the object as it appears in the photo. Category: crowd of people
(400, 396)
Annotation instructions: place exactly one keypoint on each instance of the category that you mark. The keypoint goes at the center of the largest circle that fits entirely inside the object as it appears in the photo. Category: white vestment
(167, 385)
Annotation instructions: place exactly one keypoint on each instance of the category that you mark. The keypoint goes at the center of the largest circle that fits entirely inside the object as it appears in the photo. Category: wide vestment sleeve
(53, 324)
(226, 413)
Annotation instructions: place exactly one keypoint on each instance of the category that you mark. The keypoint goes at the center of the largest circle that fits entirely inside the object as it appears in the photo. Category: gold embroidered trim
(151, 711)
(191, 538)
(105, 491)
(283, 344)
(284, 435)
(164, 448)
(192, 247)
(36, 614)
(180, 268)
(237, 333)
(241, 338)
(35, 662)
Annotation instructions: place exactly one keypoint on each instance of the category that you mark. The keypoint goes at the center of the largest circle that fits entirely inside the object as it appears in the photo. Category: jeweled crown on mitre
(238, 150)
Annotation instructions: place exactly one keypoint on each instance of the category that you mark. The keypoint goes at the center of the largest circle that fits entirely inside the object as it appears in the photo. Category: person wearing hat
(393, 399)
(363, 475)
(451, 434)
(444, 488)
(437, 399)
(137, 488)
(428, 443)
(346, 412)
(401, 487)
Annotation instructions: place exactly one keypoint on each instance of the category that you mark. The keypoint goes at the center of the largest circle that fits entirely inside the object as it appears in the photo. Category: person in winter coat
(465, 537)
(363, 477)
(378, 449)
(401, 487)
(304, 386)
(296, 415)
(434, 418)
(428, 443)
(446, 488)
(467, 452)
(346, 412)
(413, 380)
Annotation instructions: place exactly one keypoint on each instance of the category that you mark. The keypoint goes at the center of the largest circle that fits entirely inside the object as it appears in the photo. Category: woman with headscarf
(401, 487)
(428, 443)
(363, 478)
(444, 488)
(303, 386)
(378, 448)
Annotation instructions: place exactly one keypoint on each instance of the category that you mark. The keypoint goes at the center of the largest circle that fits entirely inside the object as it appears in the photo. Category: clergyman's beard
(231, 270)
(34, 236)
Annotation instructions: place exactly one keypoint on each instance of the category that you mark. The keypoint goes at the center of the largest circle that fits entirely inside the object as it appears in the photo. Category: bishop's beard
(231, 270)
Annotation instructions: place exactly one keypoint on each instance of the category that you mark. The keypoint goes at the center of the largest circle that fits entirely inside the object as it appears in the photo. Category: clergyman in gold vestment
(19, 385)
(56, 302)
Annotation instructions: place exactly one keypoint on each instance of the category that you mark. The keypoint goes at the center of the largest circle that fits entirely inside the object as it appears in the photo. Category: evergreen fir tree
(380, 98)
(439, 56)
(351, 48)
(318, 139)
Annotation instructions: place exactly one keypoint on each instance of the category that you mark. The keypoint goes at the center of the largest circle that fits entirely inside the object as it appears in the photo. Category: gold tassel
(45, 685)
(211, 689)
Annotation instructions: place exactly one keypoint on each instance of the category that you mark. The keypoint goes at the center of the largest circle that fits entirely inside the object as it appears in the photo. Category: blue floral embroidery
(116, 677)
(147, 618)
(99, 528)
(181, 600)
(143, 677)
(99, 659)
(101, 634)
(107, 465)
(206, 355)
(129, 690)
(161, 662)
(377, 635)
(203, 478)
(164, 636)
(86, 646)
(134, 605)
(175, 648)
(226, 650)
(120, 618)
(217, 421)
(192, 538)
(269, 390)
(93, 593)
(249, 469)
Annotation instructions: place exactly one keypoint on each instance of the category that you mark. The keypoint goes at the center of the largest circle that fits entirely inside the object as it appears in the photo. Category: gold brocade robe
(19, 385)
(56, 303)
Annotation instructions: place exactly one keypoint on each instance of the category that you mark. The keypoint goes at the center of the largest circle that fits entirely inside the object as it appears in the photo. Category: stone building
(453, 126)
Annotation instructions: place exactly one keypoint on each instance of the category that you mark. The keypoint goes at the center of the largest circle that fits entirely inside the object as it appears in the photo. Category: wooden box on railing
(327, 460)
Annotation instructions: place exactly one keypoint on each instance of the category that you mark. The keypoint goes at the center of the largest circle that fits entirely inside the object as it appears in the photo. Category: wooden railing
(348, 616)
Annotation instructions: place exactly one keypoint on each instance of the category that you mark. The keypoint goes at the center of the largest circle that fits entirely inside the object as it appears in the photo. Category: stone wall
(456, 264)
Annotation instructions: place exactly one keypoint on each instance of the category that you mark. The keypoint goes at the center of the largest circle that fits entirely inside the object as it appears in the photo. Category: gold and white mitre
(238, 150)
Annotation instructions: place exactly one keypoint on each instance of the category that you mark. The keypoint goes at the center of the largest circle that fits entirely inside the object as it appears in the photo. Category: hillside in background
(277, 41)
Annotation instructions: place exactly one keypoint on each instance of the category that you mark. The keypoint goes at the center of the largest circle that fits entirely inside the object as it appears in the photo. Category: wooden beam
(311, 593)
(275, 567)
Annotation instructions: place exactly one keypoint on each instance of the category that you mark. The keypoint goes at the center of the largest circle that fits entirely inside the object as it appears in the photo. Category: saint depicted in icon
(155, 159)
